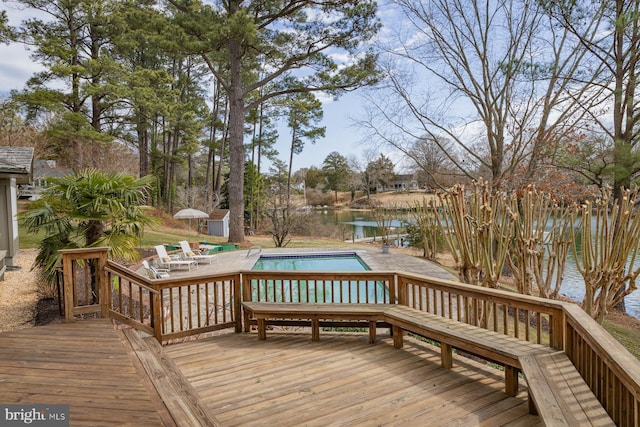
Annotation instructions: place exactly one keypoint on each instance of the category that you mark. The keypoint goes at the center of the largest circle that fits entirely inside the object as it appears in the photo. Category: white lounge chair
(155, 273)
(189, 254)
(165, 261)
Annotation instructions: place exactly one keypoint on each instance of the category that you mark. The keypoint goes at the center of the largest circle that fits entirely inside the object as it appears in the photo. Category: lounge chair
(155, 273)
(165, 261)
(187, 253)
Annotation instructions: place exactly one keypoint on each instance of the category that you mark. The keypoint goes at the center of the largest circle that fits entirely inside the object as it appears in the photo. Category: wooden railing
(131, 299)
(199, 305)
(611, 372)
(528, 318)
(167, 309)
(84, 281)
(180, 308)
(371, 287)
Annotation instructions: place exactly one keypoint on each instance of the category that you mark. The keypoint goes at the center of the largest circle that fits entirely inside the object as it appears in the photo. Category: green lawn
(150, 239)
(629, 338)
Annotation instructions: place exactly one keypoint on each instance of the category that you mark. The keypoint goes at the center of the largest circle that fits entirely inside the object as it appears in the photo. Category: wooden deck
(83, 364)
(286, 381)
(342, 381)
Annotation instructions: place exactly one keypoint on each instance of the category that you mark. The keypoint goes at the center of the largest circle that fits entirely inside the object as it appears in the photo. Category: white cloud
(16, 67)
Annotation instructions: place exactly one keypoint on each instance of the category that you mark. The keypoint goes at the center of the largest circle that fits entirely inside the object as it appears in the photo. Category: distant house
(43, 169)
(16, 168)
(218, 223)
(402, 182)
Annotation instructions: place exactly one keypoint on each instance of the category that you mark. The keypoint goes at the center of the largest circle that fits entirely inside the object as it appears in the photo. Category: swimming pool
(347, 261)
(329, 290)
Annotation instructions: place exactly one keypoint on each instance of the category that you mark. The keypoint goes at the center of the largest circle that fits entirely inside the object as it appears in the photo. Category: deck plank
(287, 380)
(342, 380)
(82, 364)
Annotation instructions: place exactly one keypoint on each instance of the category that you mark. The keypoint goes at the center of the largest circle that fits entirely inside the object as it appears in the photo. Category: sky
(339, 115)
(342, 134)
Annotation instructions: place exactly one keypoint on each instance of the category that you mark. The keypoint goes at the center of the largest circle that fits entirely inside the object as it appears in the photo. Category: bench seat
(261, 311)
(557, 392)
(495, 346)
(490, 345)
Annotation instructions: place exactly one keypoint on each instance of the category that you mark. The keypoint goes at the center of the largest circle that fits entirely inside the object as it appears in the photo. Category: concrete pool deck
(233, 261)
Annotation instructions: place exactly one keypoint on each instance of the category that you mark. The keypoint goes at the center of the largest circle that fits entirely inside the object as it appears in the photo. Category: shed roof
(218, 214)
(16, 162)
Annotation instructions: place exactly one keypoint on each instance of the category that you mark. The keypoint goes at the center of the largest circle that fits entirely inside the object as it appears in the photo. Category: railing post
(246, 296)
(559, 330)
(156, 313)
(67, 269)
(402, 290)
(103, 285)
(393, 289)
(237, 301)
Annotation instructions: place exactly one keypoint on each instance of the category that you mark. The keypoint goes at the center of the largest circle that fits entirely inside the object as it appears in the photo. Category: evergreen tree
(289, 43)
(71, 45)
(304, 111)
(336, 172)
(379, 172)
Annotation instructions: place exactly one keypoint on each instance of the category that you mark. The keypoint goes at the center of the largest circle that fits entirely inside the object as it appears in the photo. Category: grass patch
(29, 240)
(629, 338)
(166, 235)
(155, 237)
(150, 238)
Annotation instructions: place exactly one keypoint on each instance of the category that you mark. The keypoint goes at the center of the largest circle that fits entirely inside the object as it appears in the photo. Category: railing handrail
(499, 295)
(127, 273)
(620, 359)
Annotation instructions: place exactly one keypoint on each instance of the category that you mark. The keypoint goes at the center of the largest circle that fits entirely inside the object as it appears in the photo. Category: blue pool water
(311, 262)
(291, 290)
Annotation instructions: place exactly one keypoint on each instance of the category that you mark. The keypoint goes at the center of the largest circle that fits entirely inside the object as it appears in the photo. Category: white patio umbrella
(190, 214)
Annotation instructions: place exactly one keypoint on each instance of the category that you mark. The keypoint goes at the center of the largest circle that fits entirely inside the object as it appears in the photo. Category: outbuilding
(218, 223)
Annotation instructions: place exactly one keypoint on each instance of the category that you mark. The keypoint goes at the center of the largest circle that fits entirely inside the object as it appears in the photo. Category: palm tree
(89, 208)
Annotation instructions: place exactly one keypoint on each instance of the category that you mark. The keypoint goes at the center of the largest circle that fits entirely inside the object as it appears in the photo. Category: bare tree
(431, 162)
(494, 79)
(610, 32)
(608, 252)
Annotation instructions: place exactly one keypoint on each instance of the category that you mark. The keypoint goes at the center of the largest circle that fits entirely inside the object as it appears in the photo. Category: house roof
(16, 162)
(218, 214)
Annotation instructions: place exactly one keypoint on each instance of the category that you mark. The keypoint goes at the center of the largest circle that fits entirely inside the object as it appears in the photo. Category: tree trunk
(236, 146)
(290, 168)
(143, 148)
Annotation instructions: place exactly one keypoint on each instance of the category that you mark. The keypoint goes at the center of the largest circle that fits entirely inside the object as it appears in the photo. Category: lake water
(361, 224)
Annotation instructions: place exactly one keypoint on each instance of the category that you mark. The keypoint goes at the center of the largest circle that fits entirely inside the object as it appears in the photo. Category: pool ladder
(256, 248)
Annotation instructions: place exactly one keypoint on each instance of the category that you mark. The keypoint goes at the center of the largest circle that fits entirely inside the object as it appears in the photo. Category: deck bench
(558, 394)
(489, 345)
(554, 383)
(315, 313)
